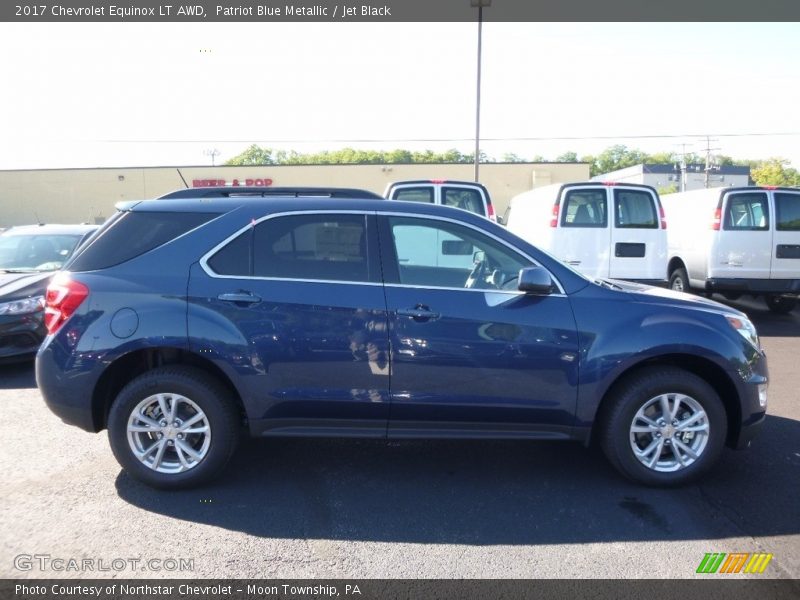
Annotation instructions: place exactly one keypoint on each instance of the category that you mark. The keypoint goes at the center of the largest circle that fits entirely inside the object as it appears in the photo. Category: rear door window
(465, 199)
(325, 247)
(747, 212)
(787, 211)
(584, 208)
(634, 209)
(414, 194)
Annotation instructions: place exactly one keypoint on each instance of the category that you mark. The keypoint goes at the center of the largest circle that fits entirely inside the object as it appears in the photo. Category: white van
(736, 241)
(465, 195)
(602, 229)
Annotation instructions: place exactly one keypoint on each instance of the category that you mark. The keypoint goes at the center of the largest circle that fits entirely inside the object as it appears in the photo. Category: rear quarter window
(787, 211)
(131, 234)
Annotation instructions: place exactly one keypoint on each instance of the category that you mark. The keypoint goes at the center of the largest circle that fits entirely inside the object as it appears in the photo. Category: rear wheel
(780, 304)
(679, 281)
(664, 427)
(173, 427)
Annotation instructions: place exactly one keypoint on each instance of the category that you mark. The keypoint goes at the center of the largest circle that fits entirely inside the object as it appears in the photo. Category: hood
(671, 297)
(21, 285)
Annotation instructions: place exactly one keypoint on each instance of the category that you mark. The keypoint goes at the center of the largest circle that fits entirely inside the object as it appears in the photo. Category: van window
(463, 198)
(584, 208)
(787, 209)
(415, 194)
(747, 212)
(634, 209)
(321, 247)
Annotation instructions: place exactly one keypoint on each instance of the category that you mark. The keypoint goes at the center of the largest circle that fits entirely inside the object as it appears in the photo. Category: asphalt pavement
(293, 508)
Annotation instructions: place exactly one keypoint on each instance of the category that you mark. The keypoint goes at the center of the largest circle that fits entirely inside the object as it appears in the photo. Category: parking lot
(292, 508)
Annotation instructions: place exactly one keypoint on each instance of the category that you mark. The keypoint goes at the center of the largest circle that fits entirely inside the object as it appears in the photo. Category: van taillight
(717, 219)
(490, 212)
(62, 299)
(663, 217)
(554, 220)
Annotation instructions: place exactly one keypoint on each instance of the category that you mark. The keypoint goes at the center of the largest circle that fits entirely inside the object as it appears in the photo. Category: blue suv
(190, 321)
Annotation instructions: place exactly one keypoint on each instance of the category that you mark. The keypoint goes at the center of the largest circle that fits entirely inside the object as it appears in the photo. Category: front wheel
(173, 427)
(781, 305)
(663, 427)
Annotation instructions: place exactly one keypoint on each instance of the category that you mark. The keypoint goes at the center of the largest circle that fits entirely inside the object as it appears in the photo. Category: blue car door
(294, 306)
(471, 353)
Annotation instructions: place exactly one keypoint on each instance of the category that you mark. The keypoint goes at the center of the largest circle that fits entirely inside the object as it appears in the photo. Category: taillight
(62, 299)
(554, 220)
(663, 217)
(490, 212)
(717, 219)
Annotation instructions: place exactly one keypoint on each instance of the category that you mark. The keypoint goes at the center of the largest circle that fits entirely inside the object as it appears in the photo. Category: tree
(775, 171)
(510, 157)
(567, 157)
(616, 157)
(254, 155)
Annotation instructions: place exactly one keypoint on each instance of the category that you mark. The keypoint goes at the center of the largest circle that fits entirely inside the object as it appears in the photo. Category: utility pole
(479, 4)
(213, 153)
(682, 169)
(709, 167)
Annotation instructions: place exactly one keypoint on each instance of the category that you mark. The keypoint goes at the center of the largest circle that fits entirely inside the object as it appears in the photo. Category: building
(668, 177)
(89, 195)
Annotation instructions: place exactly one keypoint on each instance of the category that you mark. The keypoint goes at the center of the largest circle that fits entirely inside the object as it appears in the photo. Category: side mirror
(535, 280)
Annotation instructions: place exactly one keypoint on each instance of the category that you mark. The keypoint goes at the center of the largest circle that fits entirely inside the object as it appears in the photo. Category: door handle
(418, 313)
(243, 297)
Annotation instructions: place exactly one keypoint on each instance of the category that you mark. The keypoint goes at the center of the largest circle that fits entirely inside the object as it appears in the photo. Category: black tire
(781, 305)
(634, 392)
(679, 281)
(222, 419)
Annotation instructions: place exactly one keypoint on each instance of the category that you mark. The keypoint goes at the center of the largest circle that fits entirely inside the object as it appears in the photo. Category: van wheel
(781, 305)
(664, 427)
(679, 281)
(173, 427)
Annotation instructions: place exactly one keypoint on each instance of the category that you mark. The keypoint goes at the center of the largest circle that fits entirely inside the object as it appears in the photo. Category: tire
(781, 305)
(644, 390)
(679, 281)
(196, 449)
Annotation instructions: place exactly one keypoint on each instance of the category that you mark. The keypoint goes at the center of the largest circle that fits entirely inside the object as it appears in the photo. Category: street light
(479, 4)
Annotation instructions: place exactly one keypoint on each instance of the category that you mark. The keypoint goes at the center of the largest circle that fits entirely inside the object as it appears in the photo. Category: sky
(139, 94)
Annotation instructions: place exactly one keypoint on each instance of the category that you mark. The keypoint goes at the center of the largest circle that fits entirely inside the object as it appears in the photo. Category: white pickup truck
(466, 195)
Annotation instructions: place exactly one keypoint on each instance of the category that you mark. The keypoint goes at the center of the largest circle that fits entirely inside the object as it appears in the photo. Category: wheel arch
(129, 366)
(675, 263)
(703, 367)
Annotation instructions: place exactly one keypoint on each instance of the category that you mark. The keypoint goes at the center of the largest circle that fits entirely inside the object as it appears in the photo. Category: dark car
(28, 257)
(187, 322)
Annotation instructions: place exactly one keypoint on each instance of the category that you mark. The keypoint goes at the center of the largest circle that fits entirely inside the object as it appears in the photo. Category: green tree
(510, 157)
(567, 157)
(254, 155)
(775, 171)
(616, 157)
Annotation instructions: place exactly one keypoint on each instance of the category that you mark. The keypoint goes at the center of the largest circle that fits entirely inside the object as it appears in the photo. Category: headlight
(745, 328)
(21, 307)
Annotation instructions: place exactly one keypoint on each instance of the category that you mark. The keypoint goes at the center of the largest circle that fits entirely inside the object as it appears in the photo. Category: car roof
(251, 191)
(51, 229)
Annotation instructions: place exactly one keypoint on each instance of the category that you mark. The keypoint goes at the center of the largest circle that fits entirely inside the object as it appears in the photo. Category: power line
(403, 140)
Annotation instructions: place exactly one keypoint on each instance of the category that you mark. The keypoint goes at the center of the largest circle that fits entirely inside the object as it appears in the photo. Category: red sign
(234, 183)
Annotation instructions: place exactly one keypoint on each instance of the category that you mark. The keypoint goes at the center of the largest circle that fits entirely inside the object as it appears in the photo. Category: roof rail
(264, 192)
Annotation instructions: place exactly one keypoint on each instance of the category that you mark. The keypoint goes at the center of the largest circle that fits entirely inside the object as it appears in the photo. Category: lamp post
(479, 4)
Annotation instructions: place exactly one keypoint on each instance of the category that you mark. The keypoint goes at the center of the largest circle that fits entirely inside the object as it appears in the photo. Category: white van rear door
(638, 242)
(464, 197)
(744, 244)
(583, 236)
(786, 237)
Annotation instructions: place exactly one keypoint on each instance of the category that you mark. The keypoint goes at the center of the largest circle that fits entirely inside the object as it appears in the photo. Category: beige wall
(89, 195)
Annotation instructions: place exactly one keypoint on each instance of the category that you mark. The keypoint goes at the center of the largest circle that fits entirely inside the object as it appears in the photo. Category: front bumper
(21, 335)
(753, 404)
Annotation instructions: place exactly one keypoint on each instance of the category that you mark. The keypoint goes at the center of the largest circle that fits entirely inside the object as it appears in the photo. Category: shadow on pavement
(479, 492)
(18, 375)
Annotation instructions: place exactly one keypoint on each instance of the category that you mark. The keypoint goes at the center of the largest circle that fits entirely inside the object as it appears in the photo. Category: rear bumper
(66, 393)
(757, 286)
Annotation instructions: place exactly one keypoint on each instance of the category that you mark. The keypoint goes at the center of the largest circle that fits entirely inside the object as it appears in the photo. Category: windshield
(35, 252)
